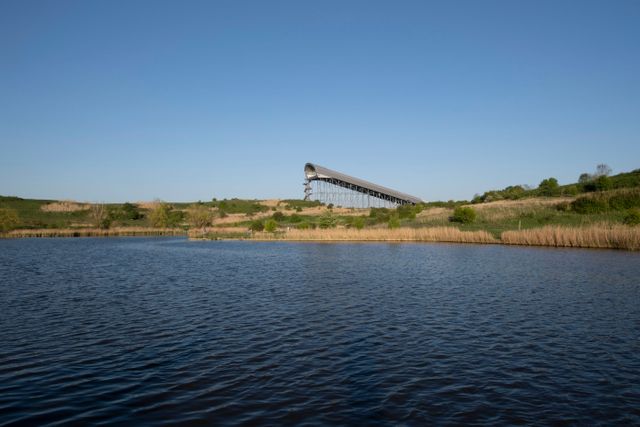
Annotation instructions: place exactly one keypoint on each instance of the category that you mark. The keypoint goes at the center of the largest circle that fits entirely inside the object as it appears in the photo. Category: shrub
(303, 226)
(160, 215)
(625, 199)
(406, 211)
(464, 215)
(256, 225)
(549, 187)
(603, 183)
(278, 216)
(589, 205)
(100, 216)
(199, 216)
(270, 226)
(394, 222)
(358, 222)
(327, 221)
(131, 211)
(295, 218)
(8, 220)
(632, 217)
(570, 190)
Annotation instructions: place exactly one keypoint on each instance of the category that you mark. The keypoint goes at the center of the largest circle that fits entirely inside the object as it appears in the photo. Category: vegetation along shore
(597, 211)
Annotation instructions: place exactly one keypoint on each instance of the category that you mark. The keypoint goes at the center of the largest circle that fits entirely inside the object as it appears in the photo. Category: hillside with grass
(599, 210)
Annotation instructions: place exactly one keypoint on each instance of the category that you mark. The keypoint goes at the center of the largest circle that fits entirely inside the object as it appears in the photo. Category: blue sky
(187, 100)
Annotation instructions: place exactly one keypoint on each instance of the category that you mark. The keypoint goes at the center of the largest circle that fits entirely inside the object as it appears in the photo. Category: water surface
(162, 330)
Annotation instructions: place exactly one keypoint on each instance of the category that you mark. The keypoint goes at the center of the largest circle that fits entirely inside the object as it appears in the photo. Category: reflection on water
(164, 330)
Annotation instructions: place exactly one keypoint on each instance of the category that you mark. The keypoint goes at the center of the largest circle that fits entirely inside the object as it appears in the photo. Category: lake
(164, 330)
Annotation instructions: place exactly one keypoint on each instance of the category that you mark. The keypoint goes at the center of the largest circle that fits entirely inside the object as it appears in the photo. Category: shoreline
(592, 237)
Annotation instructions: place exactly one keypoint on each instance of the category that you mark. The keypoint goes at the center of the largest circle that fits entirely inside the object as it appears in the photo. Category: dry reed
(596, 236)
(65, 206)
(432, 234)
(94, 232)
(207, 232)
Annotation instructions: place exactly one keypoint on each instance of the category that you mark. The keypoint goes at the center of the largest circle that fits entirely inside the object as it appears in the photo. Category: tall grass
(595, 236)
(94, 232)
(432, 234)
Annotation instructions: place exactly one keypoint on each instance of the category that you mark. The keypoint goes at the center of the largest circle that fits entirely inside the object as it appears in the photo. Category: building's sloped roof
(313, 172)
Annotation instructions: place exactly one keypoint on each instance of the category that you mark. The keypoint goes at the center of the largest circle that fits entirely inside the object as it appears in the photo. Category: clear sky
(187, 100)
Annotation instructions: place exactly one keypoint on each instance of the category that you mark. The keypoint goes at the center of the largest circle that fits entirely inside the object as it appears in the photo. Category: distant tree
(603, 170)
(160, 215)
(394, 221)
(270, 226)
(327, 220)
(358, 222)
(131, 211)
(256, 225)
(406, 211)
(570, 190)
(99, 215)
(585, 178)
(464, 215)
(9, 220)
(549, 187)
(632, 217)
(603, 183)
(199, 216)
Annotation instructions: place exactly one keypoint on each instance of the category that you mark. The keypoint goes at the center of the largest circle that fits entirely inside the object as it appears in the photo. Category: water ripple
(164, 331)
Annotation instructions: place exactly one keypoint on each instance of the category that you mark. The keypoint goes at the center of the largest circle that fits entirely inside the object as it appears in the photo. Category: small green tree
(270, 226)
(256, 225)
(394, 221)
(100, 216)
(131, 211)
(464, 215)
(9, 220)
(603, 183)
(358, 222)
(327, 220)
(160, 215)
(549, 187)
(632, 217)
(199, 216)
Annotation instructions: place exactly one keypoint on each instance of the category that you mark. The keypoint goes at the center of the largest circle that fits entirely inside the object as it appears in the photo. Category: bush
(632, 217)
(394, 222)
(270, 226)
(256, 225)
(278, 216)
(464, 215)
(570, 190)
(603, 183)
(303, 226)
(358, 222)
(131, 211)
(327, 221)
(9, 220)
(199, 216)
(625, 199)
(406, 211)
(100, 216)
(589, 205)
(160, 215)
(549, 187)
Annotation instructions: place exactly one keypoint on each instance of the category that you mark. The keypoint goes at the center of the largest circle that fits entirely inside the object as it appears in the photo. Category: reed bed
(65, 206)
(431, 234)
(595, 236)
(212, 232)
(94, 232)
